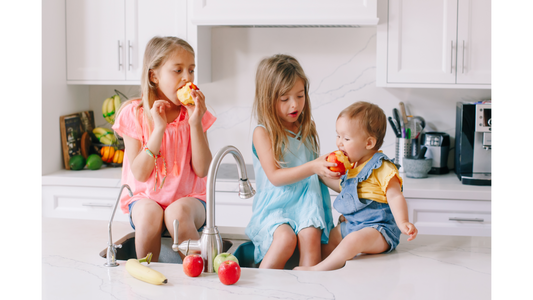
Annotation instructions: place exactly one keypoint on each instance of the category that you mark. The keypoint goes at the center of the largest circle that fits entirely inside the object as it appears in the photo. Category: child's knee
(285, 235)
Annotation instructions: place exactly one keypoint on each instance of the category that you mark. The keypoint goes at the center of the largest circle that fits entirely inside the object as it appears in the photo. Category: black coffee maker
(438, 146)
(473, 143)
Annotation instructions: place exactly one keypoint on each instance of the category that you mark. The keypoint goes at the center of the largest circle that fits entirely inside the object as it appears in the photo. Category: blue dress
(300, 205)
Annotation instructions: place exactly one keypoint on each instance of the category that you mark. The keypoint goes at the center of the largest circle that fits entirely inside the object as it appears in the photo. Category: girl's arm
(142, 164)
(284, 176)
(398, 207)
(201, 154)
(332, 183)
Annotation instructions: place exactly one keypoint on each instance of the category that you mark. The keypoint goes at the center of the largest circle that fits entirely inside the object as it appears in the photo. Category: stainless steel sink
(245, 255)
(166, 255)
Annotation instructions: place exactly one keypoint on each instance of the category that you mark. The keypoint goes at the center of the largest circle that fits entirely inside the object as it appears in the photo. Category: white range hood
(283, 13)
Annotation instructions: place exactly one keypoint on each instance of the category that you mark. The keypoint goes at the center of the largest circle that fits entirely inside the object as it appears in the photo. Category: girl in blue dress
(292, 208)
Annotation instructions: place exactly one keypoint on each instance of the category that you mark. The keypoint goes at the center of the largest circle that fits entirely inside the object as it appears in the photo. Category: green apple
(222, 257)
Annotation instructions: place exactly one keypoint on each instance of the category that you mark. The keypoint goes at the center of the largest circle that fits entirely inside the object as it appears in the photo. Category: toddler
(374, 211)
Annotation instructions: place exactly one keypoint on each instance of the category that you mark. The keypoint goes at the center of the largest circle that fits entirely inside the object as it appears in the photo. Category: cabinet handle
(451, 59)
(463, 57)
(97, 204)
(119, 55)
(129, 55)
(466, 219)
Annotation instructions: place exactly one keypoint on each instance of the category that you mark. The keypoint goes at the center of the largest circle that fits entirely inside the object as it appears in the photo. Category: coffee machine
(473, 143)
(438, 146)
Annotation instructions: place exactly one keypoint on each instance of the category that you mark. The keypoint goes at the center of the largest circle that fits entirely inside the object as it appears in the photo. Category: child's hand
(409, 229)
(196, 112)
(158, 114)
(321, 168)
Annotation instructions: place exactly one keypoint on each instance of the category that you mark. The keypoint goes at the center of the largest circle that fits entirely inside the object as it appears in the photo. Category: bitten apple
(193, 265)
(229, 272)
(222, 257)
(342, 161)
(184, 93)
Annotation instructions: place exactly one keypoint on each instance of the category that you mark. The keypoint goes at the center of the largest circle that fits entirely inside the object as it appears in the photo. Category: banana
(111, 110)
(106, 140)
(105, 109)
(141, 272)
(99, 131)
(116, 103)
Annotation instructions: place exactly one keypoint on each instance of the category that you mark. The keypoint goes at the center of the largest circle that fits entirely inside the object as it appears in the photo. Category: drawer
(88, 203)
(451, 217)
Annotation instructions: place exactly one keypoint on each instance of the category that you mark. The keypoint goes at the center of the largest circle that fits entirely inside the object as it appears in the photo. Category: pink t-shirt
(181, 181)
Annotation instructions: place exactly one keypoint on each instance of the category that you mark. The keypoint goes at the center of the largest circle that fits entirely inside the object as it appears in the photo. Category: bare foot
(304, 269)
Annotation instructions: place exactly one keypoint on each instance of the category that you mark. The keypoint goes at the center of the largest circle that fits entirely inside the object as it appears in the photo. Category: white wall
(57, 97)
(341, 66)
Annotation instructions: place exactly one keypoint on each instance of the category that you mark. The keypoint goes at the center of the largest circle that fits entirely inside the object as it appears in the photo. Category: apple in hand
(229, 272)
(193, 265)
(222, 257)
(342, 161)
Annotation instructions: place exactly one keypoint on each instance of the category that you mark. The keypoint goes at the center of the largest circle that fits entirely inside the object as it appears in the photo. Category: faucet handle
(118, 246)
(175, 245)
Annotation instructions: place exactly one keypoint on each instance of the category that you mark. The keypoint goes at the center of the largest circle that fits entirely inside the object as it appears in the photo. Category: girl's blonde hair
(276, 76)
(371, 117)
(158, 50)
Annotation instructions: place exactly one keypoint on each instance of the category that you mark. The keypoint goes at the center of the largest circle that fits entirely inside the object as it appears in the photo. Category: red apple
(193, 265)
(229, 272)
(342, 161)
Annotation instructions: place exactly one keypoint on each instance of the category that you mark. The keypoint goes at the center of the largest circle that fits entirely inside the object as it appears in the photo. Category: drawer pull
(467, 219)
(97, 204)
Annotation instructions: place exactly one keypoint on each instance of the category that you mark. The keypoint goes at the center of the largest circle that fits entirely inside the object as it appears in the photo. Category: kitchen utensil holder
(404, 148)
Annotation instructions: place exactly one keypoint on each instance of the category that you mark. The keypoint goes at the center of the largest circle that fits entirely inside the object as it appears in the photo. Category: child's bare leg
(335, 237)
(147, 217)
(309, 246)
(281, 249)
(367, 240)
(190, 214)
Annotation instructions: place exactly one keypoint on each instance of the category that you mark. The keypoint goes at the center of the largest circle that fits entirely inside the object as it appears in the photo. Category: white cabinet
(106, 39)
(450, 217)
(434, 44)
(283, 13)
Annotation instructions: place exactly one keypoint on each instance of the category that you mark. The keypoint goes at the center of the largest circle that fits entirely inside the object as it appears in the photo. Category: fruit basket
(112, 154)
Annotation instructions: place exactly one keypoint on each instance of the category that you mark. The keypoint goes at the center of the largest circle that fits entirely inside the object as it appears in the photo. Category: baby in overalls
(374, 211)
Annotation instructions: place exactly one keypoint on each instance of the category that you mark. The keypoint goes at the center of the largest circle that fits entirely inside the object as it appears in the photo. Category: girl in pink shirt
(166, 148)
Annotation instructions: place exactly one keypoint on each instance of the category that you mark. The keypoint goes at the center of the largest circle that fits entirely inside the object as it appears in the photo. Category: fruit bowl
(109, 161)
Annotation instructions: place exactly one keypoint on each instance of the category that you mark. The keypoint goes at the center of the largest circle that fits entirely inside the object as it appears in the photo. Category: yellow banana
(111, 110)
(99, 131)
(116, 102)
(141, 272)
(104, 107)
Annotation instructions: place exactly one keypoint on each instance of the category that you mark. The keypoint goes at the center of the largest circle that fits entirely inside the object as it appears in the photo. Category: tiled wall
(341, 66)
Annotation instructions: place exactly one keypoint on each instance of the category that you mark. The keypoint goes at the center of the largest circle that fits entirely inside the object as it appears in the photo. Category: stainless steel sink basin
(167, 255)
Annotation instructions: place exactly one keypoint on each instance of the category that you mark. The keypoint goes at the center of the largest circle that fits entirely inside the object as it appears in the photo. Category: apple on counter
(193, 265)
(229, 272)
(222, 257)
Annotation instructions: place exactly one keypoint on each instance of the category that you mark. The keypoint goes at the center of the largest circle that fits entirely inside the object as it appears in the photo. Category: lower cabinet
(88, 203)
(451, 217)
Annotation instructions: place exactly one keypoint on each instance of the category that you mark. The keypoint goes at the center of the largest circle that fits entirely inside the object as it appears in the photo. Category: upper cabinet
(434, 44)
(283, 12)
(106, 39)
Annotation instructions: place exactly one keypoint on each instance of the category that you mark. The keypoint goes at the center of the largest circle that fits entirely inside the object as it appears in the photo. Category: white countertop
(430, 267)
(445, 186)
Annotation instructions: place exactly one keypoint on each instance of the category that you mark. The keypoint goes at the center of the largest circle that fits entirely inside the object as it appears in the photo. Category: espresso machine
(473, 143)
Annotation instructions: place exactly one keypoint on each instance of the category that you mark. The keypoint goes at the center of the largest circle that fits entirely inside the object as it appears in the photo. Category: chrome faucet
(210, 243)
(111, 259)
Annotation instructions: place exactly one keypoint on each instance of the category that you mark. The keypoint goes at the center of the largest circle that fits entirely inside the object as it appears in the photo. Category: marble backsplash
(341, 66)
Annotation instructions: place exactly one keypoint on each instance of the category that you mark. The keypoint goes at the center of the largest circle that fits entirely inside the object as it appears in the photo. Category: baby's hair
(157, 52)
(277, 75)
(371, 118)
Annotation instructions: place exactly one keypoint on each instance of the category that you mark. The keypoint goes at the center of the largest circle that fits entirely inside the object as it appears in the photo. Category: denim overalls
(361, 213)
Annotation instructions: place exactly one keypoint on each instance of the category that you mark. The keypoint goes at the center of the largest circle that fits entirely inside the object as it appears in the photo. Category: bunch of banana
(141, 272)
(110, 106)
(104, 135)
(118, 157)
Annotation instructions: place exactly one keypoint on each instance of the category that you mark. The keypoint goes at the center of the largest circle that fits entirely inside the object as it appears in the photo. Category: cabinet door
(474, 42)
(146, 19)
(95, 40)
(422, 41)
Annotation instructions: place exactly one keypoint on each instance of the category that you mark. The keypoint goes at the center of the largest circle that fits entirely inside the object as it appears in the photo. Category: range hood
(284, 13)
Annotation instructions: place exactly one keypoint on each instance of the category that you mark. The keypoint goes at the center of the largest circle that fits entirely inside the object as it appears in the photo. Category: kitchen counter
(430, 267)
(445, 186)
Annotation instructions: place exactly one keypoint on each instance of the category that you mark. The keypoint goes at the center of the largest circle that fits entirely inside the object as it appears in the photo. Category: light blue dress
(302, 204)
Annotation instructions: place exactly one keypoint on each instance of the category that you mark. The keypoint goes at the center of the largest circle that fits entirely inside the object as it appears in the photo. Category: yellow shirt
(375, 187)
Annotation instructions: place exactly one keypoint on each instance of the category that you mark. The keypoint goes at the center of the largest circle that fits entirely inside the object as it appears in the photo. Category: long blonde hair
(158, 50)
(276, 75)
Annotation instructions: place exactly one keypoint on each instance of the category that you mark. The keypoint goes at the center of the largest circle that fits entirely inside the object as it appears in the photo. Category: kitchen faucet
(111, 260)
(210, 243)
